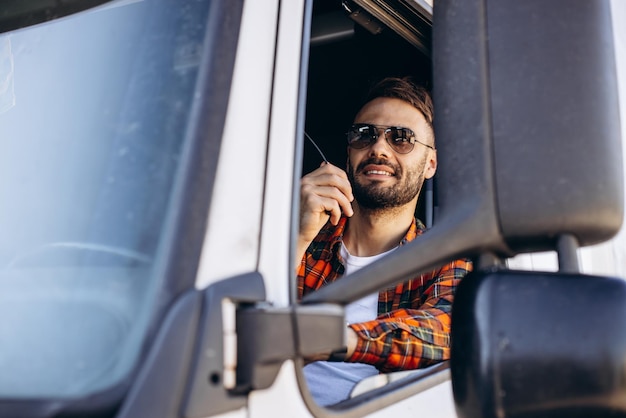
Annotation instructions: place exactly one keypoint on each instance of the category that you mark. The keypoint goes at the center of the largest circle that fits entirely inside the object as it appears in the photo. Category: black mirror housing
(527, 121)
(528, 344)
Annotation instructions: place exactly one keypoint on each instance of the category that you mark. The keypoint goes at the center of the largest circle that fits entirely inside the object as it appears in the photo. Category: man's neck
(374, 232)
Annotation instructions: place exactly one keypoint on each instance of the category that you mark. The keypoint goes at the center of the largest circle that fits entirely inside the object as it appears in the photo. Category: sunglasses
(401, 140)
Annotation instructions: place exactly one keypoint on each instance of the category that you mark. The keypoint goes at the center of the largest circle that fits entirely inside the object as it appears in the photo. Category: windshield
(93, 110)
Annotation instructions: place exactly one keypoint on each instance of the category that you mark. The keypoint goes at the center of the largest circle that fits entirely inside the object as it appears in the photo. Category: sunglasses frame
(386, 130)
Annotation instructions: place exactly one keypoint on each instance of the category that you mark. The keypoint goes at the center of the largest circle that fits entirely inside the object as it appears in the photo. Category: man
(350, 219)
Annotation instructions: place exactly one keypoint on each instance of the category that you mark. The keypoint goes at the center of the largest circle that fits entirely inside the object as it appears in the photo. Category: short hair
(404, 89)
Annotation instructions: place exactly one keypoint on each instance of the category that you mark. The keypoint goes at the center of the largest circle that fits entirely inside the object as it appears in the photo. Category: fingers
(327, 189)
(325, 199)
(324, 194)
(333, 182)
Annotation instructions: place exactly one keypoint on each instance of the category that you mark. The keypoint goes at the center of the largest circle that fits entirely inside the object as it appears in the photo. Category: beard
(374, 196)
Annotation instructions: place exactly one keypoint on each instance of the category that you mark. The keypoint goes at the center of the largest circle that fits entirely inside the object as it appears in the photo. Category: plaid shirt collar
(328, 242)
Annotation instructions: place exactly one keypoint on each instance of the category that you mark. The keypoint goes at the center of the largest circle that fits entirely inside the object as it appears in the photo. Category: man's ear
(431, 164)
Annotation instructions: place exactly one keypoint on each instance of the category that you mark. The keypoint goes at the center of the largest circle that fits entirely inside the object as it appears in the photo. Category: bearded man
(348, 219)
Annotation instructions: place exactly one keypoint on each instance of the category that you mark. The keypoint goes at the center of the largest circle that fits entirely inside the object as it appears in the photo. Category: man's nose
(380, 146)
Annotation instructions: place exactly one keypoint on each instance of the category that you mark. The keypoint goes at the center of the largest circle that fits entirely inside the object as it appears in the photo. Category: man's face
(381, 178)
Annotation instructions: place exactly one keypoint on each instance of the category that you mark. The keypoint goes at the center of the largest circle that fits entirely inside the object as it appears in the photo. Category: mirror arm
(566, 248)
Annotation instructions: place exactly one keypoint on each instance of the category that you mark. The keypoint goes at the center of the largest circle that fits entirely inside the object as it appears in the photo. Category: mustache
(378, 161)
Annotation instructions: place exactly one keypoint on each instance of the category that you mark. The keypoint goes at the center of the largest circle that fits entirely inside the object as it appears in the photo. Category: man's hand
(324, 193)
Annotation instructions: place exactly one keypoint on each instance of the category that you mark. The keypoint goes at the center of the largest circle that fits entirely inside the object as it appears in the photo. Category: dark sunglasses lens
(400, 139)
(360, 137)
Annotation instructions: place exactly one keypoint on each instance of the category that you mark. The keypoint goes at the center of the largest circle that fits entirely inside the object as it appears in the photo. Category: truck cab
(152, 152)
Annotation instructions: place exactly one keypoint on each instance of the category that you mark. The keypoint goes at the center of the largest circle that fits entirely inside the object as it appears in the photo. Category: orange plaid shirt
(412, 329)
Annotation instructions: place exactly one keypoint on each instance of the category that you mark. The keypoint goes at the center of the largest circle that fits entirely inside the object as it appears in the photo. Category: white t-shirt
(331, 382)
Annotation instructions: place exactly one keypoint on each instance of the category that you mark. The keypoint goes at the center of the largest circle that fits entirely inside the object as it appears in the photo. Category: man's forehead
(390, 111)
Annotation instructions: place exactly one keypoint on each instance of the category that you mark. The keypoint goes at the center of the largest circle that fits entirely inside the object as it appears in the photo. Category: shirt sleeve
(406, 339)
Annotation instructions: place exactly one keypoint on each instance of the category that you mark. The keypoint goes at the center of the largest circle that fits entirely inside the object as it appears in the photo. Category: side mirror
(527, 121)
(527, 344)
(529, 134)
(17, 14)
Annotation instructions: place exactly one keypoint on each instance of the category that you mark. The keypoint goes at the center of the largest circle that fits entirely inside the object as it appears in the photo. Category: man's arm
(406, 339)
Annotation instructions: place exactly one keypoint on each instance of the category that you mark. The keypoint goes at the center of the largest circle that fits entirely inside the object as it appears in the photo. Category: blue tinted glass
(93, 111)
